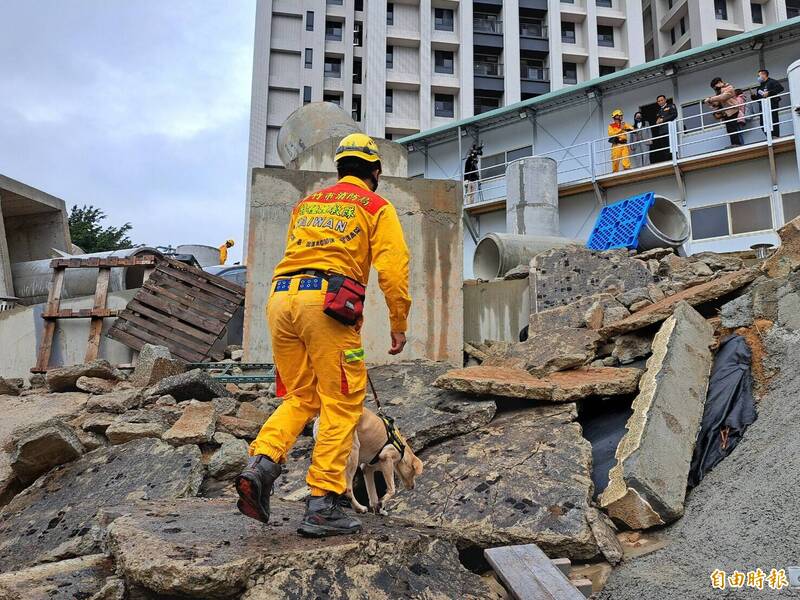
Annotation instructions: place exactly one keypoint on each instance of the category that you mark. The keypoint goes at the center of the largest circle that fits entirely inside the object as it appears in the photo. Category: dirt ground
(744, 514)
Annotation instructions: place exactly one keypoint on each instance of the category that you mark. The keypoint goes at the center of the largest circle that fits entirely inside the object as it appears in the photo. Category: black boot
(324, 517)
(254, 485)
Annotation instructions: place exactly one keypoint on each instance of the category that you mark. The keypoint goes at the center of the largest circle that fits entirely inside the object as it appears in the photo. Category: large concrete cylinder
(32, 279)
(310, 125)
(206, 256)
(498, 253)
(667, 226)
(532, 197)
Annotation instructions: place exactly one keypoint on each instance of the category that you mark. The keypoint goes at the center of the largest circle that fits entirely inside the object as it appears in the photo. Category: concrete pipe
(532, 197)
(498, 253)
(666, 227)
(206, 256)
(32, 279)
(311, 124)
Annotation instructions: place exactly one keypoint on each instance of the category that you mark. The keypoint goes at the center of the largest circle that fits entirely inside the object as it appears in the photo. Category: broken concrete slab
(549, 351)
(192, 385)
(241, 428)
(523, 478)
(63, 379)
(97, 422)
(8, 389)
(82, 577)
(630, 347)
(655, 254)
(251, 412)
(229, 459)
(117, 401)
(647, 486)
(563, 386)
(207, 549)
(42, 446)
(563, 275)
(585, 312)
(195, 426)
(57, 517)
(787, 257)
(226, 406)
(95, 385)
(657, 312)
(720, 262)
(154, 364)
(121, 432)
(10, 485)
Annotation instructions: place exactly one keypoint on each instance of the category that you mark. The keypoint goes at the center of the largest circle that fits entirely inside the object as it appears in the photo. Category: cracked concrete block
(629, 347)
(40, 447)
(787, 257)
(195, 426)
(549, 351)
(738, 312)
(647, 486)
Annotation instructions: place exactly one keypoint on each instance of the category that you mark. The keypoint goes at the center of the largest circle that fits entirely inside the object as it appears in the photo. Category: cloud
(140, 108)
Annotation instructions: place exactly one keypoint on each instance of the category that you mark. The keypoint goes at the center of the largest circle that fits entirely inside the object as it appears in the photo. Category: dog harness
(392, 438)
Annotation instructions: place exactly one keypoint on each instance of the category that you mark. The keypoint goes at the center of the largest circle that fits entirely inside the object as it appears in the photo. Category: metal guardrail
(489, 69)
(533, 30)
(487, 25)
(585, 161)
(531, 73)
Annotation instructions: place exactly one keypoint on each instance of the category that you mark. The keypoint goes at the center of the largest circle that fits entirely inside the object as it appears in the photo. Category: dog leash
(374, 393)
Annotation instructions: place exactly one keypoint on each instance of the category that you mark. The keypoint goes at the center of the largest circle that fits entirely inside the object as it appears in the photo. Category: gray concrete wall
(495, 310)
(430, 213)
(6, 280)
(21, 331)
(31, 237)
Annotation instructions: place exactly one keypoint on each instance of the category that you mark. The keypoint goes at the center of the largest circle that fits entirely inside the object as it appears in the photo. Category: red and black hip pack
(344, 300)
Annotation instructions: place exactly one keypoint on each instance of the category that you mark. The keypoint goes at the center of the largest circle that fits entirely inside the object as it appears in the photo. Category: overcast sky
(138, 107)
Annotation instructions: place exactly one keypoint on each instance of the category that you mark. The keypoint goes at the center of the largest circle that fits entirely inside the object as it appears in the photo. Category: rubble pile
(118, 484)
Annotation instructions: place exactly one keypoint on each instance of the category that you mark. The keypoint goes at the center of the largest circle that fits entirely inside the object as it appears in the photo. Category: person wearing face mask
(769, 88)
(640, 142)
(659, 145)
(726, 108)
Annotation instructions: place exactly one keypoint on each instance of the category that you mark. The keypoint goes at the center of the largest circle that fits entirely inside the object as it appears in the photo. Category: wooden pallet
(528, 574)
(53, 310)
(183, 308)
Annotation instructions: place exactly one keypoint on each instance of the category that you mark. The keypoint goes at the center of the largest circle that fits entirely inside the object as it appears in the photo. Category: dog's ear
(417, 466)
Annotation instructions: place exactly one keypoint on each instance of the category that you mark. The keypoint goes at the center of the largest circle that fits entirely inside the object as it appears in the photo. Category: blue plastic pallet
(619, 224)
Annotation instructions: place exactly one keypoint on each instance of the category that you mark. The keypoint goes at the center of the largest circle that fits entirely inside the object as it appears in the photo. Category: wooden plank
(160, 310)
(162, 291)
(96, 325)
(53, 302)
(81, 313)
(193, 294)
(216, 280)
(529, 575)
(136, 338)
(113, 261)
(193, 319)
(159, 329)
(203, 283)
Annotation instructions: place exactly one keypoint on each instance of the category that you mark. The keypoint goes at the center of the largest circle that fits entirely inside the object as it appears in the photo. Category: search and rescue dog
(378, 446)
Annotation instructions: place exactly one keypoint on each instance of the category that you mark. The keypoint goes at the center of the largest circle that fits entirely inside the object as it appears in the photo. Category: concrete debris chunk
(136, 424)
(63, 379)
(633, 296)
(82, 577)
(637, 306)
(647, 486)
(117, 401)
(192, 385)
(196, 425)
(631, 346)
(229, 459)
(10, 484)
(657, 312)
(549, 351)
(655, 254)
(97, 422)
(720, 262)
(154, 364)
(585, 312)
(95, 385)
(738, 312)
(42, 446)
(7, 388)
(787, 257)
(563, 386)
(226, 406)
(241, 428)
(210, 551)
(59, 516)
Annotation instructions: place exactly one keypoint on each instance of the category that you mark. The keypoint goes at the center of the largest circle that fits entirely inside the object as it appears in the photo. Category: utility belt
(344, 298)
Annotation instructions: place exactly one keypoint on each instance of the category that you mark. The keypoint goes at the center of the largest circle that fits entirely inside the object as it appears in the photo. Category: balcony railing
(534, 73)
(487, 25)
(489, 69)
(533, 30)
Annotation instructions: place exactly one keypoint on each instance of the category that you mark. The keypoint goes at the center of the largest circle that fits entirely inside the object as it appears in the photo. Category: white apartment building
(409, 65)
(675, 25)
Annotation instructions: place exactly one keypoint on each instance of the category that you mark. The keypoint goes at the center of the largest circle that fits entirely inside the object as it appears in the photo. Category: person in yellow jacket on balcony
(618, 138)
(223, 251)
(314, 312)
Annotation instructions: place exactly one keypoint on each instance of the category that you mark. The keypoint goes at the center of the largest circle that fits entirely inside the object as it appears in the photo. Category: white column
(374, 67)
(425, 62)
(511, 51)
(315, 76)
(466, 95)
(593, 64)
(555, 59)
(347, 61)
(702, 23)
(794, 102)
(634, 32)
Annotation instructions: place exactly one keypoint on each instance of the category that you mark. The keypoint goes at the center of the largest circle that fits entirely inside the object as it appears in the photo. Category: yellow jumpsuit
(343, 229)
(619, 152)
(223, 254)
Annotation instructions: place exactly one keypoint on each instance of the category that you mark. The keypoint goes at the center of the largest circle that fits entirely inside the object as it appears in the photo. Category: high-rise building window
(605, 36)
(333, 98)
(792, 8)
(603, 3)
(390, 13)
(358, 5)
(358, 36)
(757, 12)
(443, 61)
(570, 70)
(672, 37)
(333, 67)
(444, 105)
(390, 57)
(310, 20)
(389, 100)
(721, 10)
(309, 58)
(485, 104)
(357, 76)
(568, 32)
(333, 31)
(683, 25)
(356, 113)
(443, 19)
(336, 2)
(607, 70)
(306, 94)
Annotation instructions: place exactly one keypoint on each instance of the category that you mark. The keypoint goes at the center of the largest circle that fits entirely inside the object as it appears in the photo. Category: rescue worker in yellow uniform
(223, 251)
(314, 313)
(618, 138)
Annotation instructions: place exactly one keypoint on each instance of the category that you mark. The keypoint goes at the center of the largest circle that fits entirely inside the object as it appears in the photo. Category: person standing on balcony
(726, 108)
(640, 141)
(667, 112)
(769, 88)
(471, 174)
(618, 138)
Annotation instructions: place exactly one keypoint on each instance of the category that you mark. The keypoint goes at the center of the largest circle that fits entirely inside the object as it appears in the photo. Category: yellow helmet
(359, 145)
(617, 112)
(229, 243)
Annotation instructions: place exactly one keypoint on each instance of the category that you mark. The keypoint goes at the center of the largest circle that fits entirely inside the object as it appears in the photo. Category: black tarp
(729, 407)
(603, 423)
